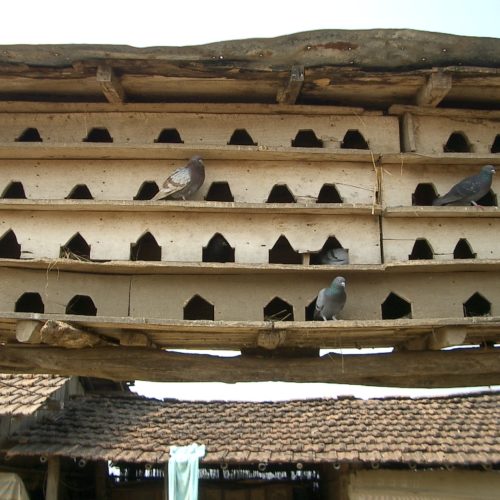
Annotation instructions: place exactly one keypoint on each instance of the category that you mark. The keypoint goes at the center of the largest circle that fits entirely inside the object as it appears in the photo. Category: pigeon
(468, 190)
(218, 250)
(183, 182)
(330, 300)
(334, 257)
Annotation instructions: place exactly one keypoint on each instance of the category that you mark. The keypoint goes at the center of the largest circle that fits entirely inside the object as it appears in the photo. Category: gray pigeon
(330, 300)
(468, 190)
(183, 182)
(334, 256)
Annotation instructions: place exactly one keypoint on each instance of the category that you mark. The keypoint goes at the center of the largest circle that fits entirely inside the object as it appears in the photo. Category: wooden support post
(271, 339)
(334, 481)
(408, 143)
(110, 85)
(28, 330)
(434, 91)
(59, 333)
(134, 339)
(290, 93)
(101, 480)
(53, 473)
(447, 336)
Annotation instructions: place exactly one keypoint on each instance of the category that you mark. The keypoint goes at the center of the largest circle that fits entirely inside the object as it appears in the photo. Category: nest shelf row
(277, 309)
(219, 250)
(457, 142)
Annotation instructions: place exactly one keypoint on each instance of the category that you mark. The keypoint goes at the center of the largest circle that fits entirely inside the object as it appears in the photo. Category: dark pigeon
(218, 250)
(330, 300)
(334, 257)
(468, 190)
(183, 182)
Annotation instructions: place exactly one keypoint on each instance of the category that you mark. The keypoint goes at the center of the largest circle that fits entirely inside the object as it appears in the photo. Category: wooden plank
(126, 267)
(180, 107)
(110, 84)
(290, 93)
(456, 159)
(310, 208)
(469, 114)
(456, 368)
(102, 151)
(177, 334)
(444, 211)
(435, 89)
(53, 474)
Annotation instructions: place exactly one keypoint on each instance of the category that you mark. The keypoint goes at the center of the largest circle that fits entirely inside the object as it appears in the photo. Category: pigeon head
(196, 160)
(488, 169)
(339, 281)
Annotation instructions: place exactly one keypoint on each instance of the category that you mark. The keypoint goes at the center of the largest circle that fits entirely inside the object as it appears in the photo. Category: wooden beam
(434, 91)
(53, 473)
(455, 368)
(110, 85)
(61, 334)
(29, 331)
(290, 93)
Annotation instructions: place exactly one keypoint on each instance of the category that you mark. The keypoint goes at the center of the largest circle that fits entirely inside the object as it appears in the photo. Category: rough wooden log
(61, 334)
(110, 85)
(53, 473)
(456, 368)
(434, 91)
(290, 93)
(29, 331)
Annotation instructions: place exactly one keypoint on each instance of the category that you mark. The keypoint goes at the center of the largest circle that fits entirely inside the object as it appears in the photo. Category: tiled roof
(25, 394)
(460, 430)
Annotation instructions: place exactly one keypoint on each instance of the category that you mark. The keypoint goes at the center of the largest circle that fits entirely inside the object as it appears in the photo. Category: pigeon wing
(174, 183)
(320, 304)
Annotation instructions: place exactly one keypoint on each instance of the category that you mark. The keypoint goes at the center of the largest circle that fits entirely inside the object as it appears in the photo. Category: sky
(187, 22)
(191, 22)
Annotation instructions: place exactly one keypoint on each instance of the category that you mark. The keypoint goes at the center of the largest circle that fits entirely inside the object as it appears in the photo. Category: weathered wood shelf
(123, 267)
(440, 212)
(117, 151)
(456, 159)
(183, 334)
(469, 114)
(311, 208)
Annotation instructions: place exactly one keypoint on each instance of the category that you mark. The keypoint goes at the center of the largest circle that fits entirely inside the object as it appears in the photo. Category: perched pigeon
(218, 250)
(183, 182)
(468, 190)
(334, 257)
(330, 300)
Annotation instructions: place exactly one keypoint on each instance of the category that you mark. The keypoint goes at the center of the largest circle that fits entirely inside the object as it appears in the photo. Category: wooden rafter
(435, 89)
(110, 85)
(290, 93)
